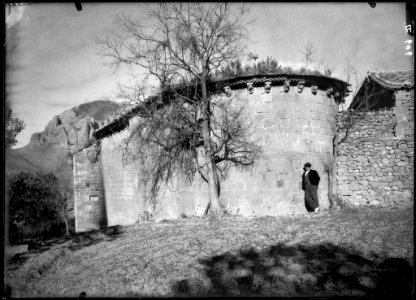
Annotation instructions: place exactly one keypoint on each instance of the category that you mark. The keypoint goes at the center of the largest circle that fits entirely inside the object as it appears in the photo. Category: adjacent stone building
(292, 118)
(375, 164)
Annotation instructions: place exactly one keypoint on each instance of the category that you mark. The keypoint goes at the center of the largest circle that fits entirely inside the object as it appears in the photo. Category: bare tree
(350, 72)
(185, 44)
(328, 70)
(308, 54)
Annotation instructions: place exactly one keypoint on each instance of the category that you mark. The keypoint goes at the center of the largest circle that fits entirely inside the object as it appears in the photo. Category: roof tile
(393, 79)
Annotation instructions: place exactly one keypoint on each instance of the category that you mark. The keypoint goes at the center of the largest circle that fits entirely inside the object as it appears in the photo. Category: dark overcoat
(313, 177)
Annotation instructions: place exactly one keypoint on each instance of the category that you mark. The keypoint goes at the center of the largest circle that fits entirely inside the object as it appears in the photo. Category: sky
(53, 64)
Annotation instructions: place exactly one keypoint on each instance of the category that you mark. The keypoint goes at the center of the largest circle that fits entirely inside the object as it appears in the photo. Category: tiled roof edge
(376, 77)
(122, 121)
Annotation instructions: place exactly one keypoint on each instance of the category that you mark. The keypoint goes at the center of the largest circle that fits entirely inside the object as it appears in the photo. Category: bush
(265, 66)
(36, 208)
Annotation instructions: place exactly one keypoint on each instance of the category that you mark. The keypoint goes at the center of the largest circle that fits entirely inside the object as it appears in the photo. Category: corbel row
(268, 86)
(331, 92)
(300, 86)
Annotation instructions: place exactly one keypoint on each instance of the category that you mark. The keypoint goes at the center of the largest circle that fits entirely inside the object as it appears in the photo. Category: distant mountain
(72, 129)
(67, 133)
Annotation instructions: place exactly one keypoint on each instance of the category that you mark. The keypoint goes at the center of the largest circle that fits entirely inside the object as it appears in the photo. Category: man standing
(310, 181)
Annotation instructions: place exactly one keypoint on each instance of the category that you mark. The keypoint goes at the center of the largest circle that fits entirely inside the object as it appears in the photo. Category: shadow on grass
(76, 241)
(89, 238)
(300, 270)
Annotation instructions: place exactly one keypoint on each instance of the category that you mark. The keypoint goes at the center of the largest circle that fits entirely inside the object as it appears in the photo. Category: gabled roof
(393, 79)
(378, 88)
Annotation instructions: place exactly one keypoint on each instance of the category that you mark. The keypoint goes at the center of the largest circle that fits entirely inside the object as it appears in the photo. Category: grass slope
(345, 252)
(46, 157)
(16, 163)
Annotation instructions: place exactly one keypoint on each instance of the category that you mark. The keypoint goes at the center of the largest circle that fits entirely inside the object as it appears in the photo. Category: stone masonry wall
(88, 191)
(375, 165)
(404, 113)
(293, 128)
(126, 188)
(123, 197)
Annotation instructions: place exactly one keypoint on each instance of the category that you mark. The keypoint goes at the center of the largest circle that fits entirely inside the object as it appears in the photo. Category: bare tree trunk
(207, 208)
(217, 183)
(66, 226)
(332, 175)
(215, 208)
(65, 218)
(332, 190)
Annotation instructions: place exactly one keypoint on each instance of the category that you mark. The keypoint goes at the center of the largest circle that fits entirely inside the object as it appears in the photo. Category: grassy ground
(345, 252)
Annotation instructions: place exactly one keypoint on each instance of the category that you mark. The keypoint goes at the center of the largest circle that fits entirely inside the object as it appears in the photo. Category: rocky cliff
(72, 130)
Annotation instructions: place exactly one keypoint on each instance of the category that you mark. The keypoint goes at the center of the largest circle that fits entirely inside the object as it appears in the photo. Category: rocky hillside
(72, 130)
(67, 133)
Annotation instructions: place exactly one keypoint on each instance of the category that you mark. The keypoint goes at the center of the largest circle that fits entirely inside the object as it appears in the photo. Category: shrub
(37, 207)
(265, 66)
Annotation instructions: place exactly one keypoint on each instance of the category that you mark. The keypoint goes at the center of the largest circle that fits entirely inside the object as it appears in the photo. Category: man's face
(306, 169)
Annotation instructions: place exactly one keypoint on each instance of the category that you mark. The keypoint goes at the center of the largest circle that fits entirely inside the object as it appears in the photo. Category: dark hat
(307, 165)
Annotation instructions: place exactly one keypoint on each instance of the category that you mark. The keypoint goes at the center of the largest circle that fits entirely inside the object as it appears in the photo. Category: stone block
(362, 160)
(275, 147)
(262, 166)
(293, 137)
(280, 114)
(273, 165)
(316, 148)
(304, 138)
(270, 138)
(317, 130)
(269, 123)
(270, 176)
(326, 147)
(266, 97)
(344, 190)
(307, 130)
(354, 187)
(408, 195)
(235, 186)
(285, 122)
(301, 147)
(232, 201)
(342, 158)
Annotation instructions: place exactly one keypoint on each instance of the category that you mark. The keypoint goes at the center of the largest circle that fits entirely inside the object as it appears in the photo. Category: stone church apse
(292, 115)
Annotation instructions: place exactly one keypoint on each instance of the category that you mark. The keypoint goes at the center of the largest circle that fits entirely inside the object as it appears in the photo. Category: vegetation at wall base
(37, 207)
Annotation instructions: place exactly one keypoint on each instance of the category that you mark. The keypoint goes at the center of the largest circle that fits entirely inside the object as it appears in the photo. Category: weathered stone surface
(88, 192)
(388, 165)
(272, 188)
